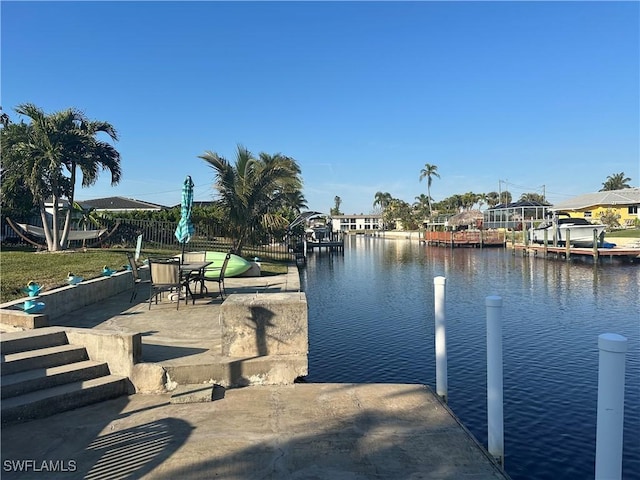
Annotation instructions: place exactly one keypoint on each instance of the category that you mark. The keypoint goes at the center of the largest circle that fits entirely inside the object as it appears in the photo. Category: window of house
(633, 209)
(587, 214)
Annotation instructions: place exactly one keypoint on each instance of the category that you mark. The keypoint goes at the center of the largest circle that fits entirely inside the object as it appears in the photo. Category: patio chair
(220, 278)
(165, 277)
(195, 277)
(136, 276)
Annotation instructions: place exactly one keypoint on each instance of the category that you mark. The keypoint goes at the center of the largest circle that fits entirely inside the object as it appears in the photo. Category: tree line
(424, 208)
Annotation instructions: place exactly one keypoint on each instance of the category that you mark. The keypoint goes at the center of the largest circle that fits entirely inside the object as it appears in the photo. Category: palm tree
(481, 199)
(493, 199)
(617, 181)
(37, 151)
(382, 200)
(532, 197)
(42, 150)
(468, 200)
(336, 209)
(253, 191)
(91, 155)
(421, 205)
(429, 171)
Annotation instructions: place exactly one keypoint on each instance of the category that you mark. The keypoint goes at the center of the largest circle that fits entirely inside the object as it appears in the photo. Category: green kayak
(236, 266)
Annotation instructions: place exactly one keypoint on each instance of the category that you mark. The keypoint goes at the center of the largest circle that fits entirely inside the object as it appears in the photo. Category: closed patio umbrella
(185, 228)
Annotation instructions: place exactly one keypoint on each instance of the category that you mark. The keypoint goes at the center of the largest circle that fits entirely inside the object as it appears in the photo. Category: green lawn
(50, 270)
(626, 233)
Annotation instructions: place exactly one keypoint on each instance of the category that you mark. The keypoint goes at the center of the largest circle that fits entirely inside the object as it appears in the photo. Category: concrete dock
(297, 431)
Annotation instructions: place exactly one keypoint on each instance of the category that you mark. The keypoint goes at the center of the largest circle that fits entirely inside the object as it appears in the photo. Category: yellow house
(625, 203)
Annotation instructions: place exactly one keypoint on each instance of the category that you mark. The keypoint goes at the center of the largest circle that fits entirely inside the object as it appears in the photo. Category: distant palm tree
(493, 199)
(481, 199)
(382, 200)
(533, 197)
(617, 181)
(468, 200)
(421, 205)
(429, 171)
(336, 209)
(254, 191)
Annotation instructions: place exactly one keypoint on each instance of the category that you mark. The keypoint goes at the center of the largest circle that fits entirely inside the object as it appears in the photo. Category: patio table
(191, 268)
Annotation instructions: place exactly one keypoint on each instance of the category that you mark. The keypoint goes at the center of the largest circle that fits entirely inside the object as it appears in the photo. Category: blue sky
(527, 96)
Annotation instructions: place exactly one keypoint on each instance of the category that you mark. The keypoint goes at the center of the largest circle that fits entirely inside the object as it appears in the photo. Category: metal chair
(220, 278)
(136, 276)
(165, 277)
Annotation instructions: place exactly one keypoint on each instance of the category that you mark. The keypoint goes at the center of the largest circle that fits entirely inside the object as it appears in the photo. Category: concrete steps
(42, 374)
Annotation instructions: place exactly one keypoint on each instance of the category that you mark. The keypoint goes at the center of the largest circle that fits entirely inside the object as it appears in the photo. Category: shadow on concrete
(261, 318)
(135, 451)
(236, 372)
(359, 447)
(94, 315)
(157, 353)
(74, 444)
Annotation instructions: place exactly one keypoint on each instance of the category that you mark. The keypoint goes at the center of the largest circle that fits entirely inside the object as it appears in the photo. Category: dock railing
(466, 238)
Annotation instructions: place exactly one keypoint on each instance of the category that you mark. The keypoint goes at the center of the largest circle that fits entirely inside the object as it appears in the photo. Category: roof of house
(119, 203)
(627, 196)
(518, 204)
(468, 217)
(370, 215)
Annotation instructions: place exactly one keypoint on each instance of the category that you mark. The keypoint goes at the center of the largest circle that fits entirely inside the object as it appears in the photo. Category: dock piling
(441, 337)
(494, 378)
(610, 420)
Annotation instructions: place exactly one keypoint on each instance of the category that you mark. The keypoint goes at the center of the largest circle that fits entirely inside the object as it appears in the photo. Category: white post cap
(493, 301)
(612, 342)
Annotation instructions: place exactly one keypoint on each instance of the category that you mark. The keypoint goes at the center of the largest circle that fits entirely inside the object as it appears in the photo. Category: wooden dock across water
(338, 245)
(466, 238)
(630, 254)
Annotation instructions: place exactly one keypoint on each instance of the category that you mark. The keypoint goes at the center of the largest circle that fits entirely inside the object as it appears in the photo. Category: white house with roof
(625, 203)
(356, 223)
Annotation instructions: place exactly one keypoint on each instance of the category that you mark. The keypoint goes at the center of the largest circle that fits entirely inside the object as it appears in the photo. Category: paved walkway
(299, 431)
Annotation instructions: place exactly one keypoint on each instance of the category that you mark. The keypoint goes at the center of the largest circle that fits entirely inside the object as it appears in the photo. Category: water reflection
(371, 320)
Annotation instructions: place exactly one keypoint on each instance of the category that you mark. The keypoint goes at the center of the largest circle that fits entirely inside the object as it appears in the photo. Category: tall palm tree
(617, 181)
(91, 155)
(253, 191)
(37, 150)
(429, 171)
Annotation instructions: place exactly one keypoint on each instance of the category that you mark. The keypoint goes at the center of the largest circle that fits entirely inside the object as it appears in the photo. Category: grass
(625, 233)
(50, 270)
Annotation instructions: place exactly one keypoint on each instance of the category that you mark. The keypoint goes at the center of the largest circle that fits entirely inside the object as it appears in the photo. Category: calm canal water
(371, 320)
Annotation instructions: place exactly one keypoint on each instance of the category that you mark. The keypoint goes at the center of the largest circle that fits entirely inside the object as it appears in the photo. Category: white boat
(579, 230)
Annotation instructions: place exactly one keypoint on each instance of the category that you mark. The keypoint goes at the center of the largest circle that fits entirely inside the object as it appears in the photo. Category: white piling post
(441, 337)
(610, 422)
(494, 378)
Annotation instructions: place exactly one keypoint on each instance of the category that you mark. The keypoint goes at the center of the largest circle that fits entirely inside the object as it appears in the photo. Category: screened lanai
(512, 215)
